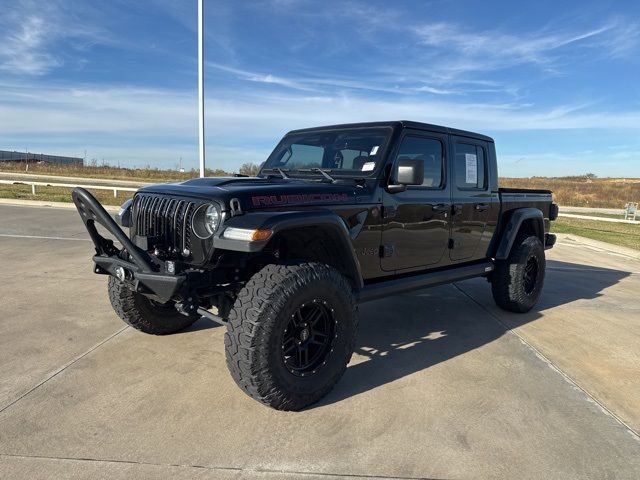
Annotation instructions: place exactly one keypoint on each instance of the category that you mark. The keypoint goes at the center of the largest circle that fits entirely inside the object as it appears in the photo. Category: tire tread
(506, 284)
(249, 325)
(128, 305)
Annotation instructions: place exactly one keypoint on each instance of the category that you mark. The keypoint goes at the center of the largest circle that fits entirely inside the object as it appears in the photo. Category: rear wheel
(516, 283)
(145, 314)
(291, 334)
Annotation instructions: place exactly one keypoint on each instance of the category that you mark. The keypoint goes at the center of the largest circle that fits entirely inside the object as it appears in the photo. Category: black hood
(256, 192)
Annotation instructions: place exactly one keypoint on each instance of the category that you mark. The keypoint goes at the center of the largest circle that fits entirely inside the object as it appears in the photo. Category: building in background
(6, 156)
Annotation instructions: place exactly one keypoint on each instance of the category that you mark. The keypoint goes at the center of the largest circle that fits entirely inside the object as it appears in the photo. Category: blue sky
(557, 84)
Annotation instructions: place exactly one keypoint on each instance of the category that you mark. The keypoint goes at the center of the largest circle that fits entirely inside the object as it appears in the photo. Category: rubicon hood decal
(296, 199)
(259, 193)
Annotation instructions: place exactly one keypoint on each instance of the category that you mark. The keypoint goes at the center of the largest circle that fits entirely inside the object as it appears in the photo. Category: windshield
(354, 151)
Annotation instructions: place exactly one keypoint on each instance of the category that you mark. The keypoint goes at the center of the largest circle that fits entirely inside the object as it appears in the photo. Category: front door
(416, 222)
(471, 197)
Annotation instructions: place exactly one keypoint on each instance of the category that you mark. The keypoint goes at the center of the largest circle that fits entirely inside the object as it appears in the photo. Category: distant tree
(218, 172)
(590, 176)
(250, 169)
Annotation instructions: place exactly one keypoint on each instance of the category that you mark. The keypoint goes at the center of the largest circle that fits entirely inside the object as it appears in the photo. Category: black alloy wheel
(308, 338)
(291, 333)
(516, 282)
(530, 274)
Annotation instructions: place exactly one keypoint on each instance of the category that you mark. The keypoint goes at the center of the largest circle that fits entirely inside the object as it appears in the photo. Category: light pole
(201, 85)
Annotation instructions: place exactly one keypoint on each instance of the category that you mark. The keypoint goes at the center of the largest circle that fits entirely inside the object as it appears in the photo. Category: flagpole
(201, 85)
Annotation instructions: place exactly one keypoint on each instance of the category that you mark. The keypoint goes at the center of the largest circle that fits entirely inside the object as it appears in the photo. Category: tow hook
(121, 274)
(189, 306)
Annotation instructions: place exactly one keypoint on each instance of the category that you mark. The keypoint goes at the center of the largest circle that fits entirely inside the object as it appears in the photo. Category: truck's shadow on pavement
(202, 324)
(408, 333)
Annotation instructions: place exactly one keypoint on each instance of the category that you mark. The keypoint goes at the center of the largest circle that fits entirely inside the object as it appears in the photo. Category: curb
(599, 219)
(609, 247)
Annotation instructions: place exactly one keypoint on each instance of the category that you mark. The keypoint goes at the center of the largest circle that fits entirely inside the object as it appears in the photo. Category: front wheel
(291, 334)
(143, 313)
(516, 283)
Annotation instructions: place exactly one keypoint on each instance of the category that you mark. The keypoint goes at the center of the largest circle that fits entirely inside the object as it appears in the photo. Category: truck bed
(512, 198)
(523, 190)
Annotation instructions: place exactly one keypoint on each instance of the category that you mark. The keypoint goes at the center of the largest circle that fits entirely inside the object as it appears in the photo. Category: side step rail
(401, 285)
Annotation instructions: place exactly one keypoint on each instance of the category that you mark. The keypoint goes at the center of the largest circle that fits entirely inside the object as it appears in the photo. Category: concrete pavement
(443, 385)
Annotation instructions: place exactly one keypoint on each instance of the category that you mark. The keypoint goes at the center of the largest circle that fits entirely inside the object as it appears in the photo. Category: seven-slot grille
(165, 221)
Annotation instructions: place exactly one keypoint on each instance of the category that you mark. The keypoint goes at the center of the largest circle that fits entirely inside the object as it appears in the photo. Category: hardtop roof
(400, 124)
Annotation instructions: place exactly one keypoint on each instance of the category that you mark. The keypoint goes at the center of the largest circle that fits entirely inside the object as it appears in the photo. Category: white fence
(33, 185)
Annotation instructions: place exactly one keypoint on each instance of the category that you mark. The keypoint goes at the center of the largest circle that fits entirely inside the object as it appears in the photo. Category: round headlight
(212, 218)
(206, 220)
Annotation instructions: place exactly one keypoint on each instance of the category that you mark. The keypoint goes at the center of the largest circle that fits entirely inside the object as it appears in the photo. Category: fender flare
(279, 222)
(511, 229)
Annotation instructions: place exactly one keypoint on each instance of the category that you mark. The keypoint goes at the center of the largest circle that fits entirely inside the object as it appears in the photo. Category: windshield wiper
(321, 171)
(279, 171)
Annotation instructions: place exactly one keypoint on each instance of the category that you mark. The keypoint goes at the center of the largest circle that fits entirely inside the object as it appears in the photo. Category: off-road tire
(508, 283)
(145, 315)
(256, 328)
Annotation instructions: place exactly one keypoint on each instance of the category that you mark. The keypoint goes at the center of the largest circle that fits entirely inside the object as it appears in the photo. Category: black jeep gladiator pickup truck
(336, 216)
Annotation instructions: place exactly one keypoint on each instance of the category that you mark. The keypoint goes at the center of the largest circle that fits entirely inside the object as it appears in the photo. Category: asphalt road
(443, 385)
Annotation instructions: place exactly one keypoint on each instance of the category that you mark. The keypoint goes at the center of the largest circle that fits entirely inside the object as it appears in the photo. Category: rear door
(416, 222)
(471, 196)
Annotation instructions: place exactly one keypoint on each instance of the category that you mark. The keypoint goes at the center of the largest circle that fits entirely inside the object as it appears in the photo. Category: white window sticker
(471, 175)
(374, 150)
(368, 166)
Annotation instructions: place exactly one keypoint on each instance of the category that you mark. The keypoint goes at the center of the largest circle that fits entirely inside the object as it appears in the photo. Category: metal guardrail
(33, 185)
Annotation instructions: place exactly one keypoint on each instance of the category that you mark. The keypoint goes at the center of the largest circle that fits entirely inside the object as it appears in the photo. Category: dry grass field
(582, 191)
(567, 191)
(57, 194)
(106, 172)
(579, 191)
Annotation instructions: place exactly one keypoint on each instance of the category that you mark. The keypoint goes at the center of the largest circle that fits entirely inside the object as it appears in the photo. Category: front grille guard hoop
(92, 212)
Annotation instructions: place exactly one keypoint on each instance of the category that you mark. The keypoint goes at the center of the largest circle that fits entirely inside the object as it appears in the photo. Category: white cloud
(425, 82)
(267, 78)
(22, 48)
(492, 49)
(437, 91)
(37, 108)
(31, 32)
(158, 126)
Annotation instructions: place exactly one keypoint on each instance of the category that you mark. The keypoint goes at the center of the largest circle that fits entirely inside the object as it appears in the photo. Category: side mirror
(410, 172)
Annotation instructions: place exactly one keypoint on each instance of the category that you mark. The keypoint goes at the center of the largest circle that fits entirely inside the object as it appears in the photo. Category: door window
(429, 150)
(470, 166)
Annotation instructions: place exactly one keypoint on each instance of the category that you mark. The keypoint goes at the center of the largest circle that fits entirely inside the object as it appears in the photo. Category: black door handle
(481, 207)
(441, 207)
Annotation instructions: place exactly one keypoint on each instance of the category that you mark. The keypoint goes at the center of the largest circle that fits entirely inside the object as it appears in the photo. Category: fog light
(121, 274)
(246, 234)
(171, 267)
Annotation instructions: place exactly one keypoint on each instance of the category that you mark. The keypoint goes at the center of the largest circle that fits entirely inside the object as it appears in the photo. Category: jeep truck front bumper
(145, 273)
